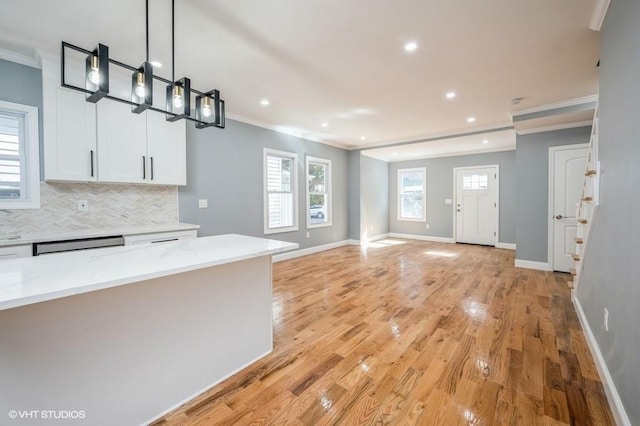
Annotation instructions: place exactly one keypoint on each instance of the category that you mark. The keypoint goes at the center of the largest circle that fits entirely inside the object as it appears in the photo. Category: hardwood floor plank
(412, 333)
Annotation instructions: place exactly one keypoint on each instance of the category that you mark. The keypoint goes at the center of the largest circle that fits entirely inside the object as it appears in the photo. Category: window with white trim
(411, 194)
(19, 157)
(318, 192)
(280, 191)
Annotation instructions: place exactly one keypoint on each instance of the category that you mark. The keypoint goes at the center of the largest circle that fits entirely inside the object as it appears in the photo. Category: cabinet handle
(144, 167)
(151, 167)
(92, 163)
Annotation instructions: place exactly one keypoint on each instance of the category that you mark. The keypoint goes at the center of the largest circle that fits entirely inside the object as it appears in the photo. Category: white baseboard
(200, 392)
(528, 264)
(507, 246)
(311, 250)
(617, 408)
(421, 237)
(353, 242)
(377, 238)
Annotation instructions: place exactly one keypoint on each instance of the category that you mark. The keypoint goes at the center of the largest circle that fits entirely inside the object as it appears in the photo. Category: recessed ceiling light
(395, 153)
(485, 141)
(411, 46)
(264, 102)
(325, 124)
(471, 119)
(156, 64)
(362, 138)
(450, 95)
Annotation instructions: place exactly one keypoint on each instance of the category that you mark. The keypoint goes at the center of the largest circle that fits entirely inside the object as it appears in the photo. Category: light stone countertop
(30, 280)
(30, 238)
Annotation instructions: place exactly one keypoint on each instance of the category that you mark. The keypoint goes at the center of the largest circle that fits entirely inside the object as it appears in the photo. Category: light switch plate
(203, 203)
(448, 201)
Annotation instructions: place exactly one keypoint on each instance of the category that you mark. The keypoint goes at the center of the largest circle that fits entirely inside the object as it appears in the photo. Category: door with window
(476, 207)
(567, 164)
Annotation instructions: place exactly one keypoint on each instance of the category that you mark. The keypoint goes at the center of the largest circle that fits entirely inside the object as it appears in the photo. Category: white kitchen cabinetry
(13, 252)
(105, 141)
(159, 237)
(122, 143)
(167, 150)
(69, 134)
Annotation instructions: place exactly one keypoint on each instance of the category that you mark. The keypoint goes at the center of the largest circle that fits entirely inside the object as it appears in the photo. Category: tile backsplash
(110, 205)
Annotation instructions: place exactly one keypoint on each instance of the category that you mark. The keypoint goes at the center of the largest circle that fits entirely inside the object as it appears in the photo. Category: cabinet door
(70, 152)
(122, 143)
(167, 148)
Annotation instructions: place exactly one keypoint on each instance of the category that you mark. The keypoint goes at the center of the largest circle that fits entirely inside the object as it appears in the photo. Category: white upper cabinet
(105, 141)
(122, 143)
(70, 152)
(167, 150)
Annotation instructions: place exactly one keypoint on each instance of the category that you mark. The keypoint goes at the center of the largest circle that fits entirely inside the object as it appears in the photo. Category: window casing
(411, 194)
(319, 212)
(280, 176)
(19, 157)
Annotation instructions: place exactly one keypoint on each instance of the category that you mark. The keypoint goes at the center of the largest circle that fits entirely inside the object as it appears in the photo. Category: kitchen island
(123, 335)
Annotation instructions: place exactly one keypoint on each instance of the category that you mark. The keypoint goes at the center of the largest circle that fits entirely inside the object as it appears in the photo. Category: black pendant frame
(95, 92)
(142, 104)
(174, 114)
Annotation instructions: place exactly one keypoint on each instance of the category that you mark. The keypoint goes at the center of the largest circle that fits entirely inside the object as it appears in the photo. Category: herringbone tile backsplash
(109, 206)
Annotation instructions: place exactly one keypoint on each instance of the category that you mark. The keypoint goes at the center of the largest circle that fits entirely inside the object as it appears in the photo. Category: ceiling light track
(209, 110)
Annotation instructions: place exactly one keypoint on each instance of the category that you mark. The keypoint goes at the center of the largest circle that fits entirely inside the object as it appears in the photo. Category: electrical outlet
(308, 234)
(606, 319)
(427, 226)
(83, 205)
(203, 203)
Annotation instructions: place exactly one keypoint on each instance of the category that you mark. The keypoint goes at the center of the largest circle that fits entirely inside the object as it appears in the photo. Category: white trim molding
(421, 237)
(506, 246)
(554, 127)
(528, 264)
(556, 105)
(610, 390)
(362, 242)
(311, 250)
(599, 12)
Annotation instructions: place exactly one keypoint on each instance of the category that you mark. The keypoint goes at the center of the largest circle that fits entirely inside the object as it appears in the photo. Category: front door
(568, 166)
(476, 205)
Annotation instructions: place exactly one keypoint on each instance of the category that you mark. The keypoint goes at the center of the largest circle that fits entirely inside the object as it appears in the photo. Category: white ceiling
(343, 62)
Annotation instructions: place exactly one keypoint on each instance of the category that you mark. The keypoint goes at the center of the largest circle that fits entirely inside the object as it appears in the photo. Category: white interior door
(477, 205)
(568, 167)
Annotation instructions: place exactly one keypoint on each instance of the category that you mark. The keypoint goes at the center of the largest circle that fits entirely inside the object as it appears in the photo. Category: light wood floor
(414, 333)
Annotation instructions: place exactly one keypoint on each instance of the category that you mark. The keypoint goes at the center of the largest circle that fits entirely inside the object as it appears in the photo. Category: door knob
(559, 216)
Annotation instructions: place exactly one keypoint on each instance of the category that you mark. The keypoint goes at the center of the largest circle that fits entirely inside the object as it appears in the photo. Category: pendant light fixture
(97, 73)
(179, 92)
(142, 78)
(209, 107)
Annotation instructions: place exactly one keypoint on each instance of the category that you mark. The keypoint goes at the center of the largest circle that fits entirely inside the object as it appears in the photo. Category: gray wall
(354, 195)
(532, 164)
(440, 187)
(23, 85)
(225, 167)
(612, 261)
(374, 192)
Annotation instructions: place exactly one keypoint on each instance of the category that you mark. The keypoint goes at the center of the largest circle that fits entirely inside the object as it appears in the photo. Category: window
(318, 192)
(471, 182)
(19, 157)
(411, 197)
(280, 191)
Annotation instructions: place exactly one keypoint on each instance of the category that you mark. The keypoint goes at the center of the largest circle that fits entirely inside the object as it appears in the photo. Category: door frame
(455, 199)
(551, 191)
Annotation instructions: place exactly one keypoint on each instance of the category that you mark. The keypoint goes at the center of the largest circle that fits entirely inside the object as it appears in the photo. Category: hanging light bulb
(177, 97)
(94, 74)
(139, 90)
(206, 106)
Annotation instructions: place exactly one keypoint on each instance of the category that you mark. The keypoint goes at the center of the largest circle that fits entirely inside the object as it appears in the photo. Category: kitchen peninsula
(125, 334)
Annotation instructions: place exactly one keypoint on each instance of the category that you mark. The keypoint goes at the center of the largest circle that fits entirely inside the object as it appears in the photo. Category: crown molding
(30, 60)
(554, 127)
(281, 129)
(599, 12)
(556, 105)
(435, 136)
